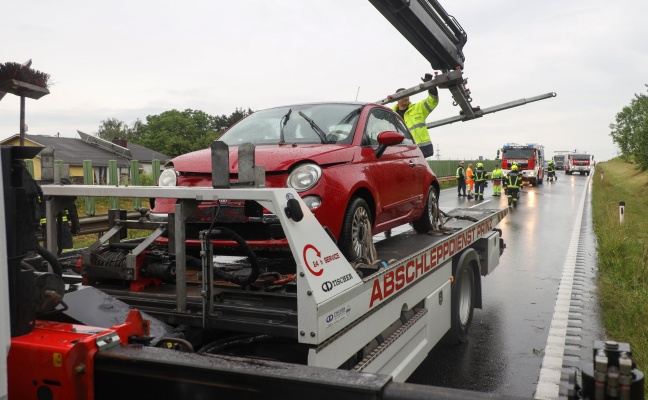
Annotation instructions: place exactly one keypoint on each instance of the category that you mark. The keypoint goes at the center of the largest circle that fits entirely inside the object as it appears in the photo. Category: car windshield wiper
(316, 128)
(282, 124)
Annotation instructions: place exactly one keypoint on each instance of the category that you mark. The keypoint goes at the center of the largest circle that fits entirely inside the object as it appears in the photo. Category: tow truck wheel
(463, 300)
(356, 237)
(430, 218)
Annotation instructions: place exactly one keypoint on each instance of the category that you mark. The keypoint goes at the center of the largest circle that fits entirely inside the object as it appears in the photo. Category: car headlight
(304, 177)
(168, 178)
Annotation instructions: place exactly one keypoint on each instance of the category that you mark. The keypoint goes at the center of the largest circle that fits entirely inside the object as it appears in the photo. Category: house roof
(74, 151)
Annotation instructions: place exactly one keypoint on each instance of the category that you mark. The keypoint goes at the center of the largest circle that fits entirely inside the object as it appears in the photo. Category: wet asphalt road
(508, 337)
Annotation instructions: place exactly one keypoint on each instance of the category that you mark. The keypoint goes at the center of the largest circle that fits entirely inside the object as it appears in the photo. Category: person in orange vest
(470, 180)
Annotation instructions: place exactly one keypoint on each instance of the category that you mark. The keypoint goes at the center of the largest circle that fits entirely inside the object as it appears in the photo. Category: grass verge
(623, 253)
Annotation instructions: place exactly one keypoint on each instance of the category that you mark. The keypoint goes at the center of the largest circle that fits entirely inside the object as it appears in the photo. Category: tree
(173, 132)
(630, 132)
(112, 128)
(177, 132)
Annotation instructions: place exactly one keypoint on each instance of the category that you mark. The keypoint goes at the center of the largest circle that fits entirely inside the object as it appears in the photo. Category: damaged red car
(355, 166)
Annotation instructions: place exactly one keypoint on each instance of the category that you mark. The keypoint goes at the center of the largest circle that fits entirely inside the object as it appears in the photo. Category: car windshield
(518, 153)
(297, 124)
(559, 158)
(580, 157)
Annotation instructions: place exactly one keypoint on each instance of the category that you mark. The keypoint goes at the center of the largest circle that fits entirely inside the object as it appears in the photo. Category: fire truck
(579, 162)
(529, 159)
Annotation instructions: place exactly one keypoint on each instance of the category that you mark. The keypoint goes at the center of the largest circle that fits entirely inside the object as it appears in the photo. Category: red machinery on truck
(529, 159)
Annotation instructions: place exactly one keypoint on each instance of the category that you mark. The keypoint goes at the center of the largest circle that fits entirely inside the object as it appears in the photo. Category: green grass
(623, 253)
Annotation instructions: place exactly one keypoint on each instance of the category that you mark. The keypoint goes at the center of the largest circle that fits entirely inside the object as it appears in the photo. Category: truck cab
(529, 159)
(560, 159)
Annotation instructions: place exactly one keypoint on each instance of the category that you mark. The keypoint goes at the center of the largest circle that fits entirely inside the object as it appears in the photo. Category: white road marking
(549, 380)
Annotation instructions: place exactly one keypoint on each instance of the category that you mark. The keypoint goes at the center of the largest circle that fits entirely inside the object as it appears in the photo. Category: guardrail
(99, 223)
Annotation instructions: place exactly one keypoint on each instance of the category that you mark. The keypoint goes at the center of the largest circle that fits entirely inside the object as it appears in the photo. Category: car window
(381, 120)
(400, 127)
(298, 123)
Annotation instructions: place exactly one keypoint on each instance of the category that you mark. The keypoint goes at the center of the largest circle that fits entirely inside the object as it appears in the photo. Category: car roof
(357, 103)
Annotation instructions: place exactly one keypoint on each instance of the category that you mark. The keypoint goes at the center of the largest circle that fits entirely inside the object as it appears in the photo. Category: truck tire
(463, 299)
(430, 218)
(356, 226)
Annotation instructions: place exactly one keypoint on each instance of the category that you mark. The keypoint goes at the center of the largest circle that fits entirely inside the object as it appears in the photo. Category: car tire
(463, 301)
(356, 226)
(430, 218)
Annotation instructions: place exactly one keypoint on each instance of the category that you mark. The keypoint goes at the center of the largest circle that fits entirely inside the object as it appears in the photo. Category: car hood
(274, 158)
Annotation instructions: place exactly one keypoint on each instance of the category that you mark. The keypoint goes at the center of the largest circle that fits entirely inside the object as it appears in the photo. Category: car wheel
(356, 237)
(430, 218)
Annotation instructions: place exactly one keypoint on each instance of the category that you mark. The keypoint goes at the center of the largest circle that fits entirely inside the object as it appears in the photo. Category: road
(510, 337)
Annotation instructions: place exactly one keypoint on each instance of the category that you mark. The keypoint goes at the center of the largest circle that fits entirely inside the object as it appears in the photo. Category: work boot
(470, 197)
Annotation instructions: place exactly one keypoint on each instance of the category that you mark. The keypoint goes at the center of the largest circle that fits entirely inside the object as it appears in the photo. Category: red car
(355, 165)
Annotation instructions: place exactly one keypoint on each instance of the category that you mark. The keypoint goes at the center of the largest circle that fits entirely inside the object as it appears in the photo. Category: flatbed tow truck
(316, 320)
(139, 321)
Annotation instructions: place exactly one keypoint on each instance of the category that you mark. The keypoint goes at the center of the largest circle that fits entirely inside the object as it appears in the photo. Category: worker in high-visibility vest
(551, 171)
(415, 114)
(470, 180)
(496, 177)
(513, 183)
(461, 179)
(481, 177)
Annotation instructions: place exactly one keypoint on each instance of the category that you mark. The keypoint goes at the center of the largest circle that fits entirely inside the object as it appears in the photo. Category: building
(73, 151)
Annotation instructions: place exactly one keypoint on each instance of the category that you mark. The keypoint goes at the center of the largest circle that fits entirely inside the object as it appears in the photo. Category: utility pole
(438, 152)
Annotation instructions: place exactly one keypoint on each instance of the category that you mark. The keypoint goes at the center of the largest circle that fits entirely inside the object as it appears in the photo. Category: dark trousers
(479, 188)
(513, 194)
(65, 240)
(461, 186)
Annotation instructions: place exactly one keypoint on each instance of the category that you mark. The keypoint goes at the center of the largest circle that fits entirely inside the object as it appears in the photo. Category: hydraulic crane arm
(428, 27)
(489, 110)
(440, 39)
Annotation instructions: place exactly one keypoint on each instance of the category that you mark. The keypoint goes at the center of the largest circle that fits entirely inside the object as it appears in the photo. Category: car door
(394, 174)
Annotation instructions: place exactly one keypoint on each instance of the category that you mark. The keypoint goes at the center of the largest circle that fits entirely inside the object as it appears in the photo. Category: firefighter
(415, 114)
(481, 177)
(551, 171)
(461, 179)
(470, 180)
(512, 184)
(496, 177)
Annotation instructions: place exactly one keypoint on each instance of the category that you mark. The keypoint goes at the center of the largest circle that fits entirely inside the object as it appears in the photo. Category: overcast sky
(130, 59)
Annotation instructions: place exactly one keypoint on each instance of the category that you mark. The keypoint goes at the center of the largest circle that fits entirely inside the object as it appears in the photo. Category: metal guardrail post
(88, 179)
(155, 170)
(113, 179)
(135, 181)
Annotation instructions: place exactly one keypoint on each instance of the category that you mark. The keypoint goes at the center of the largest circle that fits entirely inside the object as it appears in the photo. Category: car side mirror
(386, 139)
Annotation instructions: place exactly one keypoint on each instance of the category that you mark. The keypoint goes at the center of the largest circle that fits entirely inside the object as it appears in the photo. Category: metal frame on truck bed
(382, 318)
